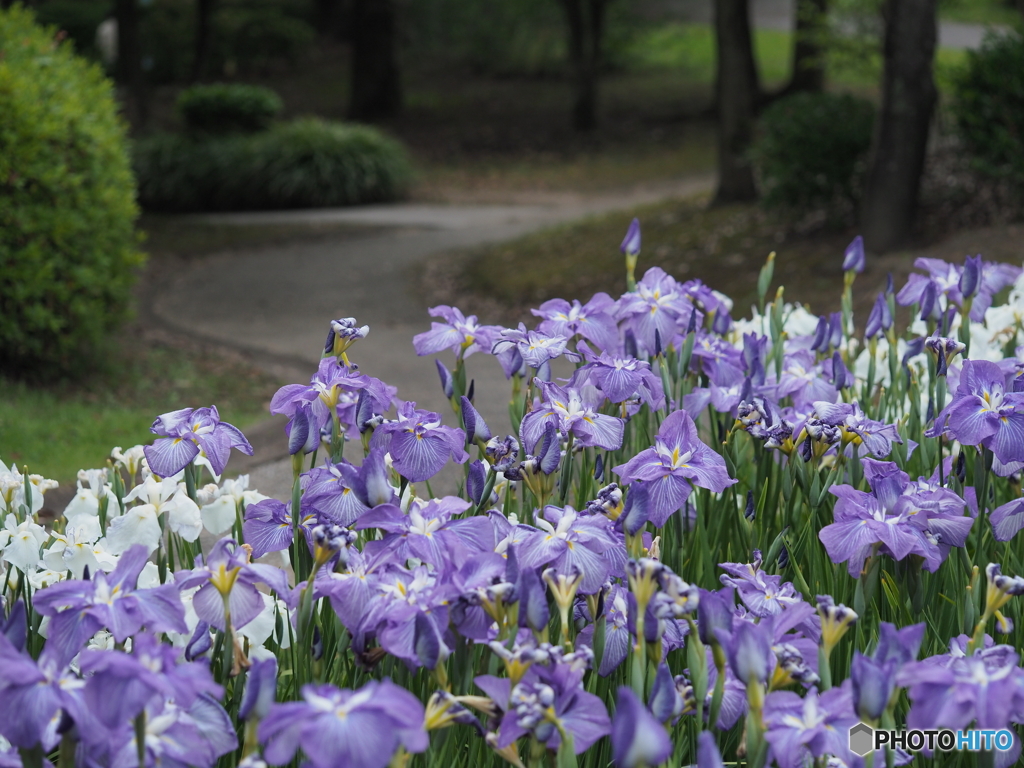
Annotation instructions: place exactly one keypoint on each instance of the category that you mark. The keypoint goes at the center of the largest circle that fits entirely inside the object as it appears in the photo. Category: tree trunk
(129, 60)
(376, 85)
(808, 56)
(585, 20)
(737, 93)
(330, 18)
(204, 24)
(901, 133)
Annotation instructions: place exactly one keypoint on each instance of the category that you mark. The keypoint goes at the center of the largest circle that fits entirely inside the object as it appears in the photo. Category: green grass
(979, 12)
(57, 430)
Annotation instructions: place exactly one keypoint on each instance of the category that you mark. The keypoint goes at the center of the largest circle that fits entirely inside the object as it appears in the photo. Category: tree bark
(808, 56)
(204, 24)
(129, 60)
(585, 21)
(737, 92)
(901, 132)
(376, 83)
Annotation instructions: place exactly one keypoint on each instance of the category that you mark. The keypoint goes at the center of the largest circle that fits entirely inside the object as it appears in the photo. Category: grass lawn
(57, 430)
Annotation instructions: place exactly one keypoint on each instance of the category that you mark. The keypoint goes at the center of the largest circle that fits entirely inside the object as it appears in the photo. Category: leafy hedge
(988, 106)
(67, 202)
(228, 108)
(307, 163)
(811, 149)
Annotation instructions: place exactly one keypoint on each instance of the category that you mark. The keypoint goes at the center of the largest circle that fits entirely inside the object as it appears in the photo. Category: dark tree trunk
(808, 56)
(585, 20)
(204, 35)
(376, 85)
(901, 133)
(329, 18)
(737, 93)
(129, 60)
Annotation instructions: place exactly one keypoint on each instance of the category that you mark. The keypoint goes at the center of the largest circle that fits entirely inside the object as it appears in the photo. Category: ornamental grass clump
(723, 540)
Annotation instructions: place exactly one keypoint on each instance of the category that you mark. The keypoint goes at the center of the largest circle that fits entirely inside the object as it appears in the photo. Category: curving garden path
(275, 303)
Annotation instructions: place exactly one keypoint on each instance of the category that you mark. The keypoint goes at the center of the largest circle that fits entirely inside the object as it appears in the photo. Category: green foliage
(67, 208)
(988, 106)
(228, 108)
(303, 164)
(811, 148)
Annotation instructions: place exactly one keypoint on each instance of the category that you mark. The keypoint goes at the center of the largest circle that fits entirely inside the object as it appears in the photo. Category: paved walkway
(276, 302)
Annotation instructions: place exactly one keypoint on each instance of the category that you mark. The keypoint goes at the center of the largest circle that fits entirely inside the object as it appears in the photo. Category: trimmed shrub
(811, 150)
(68, 247)
(988, 106)
(228, 108)
(308, 163)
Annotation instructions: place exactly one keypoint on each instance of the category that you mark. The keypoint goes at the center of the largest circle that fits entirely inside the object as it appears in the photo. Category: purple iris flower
(534, 347)
(944, 279)
(655, 310)
(175, 737)
(763, 594)
(592, 321)
(419, 443)
(352, 589)
(549, 692)
(567, 541)
(799, 729)
(805, 380)
(894, 517)
(853, 258)
(267, 526)
(429, 531)
(620, 379)
(572, 410)
(637, 738)
(954, 691)
(79, 609)
(618, 603)
(118, 686)
(331, 493)
(308, 407)
(982, 412)
(462, 335)
(226, 577)
(749, 650)
(677, 461)
(873, 683)
(33, 693)
(876, 436)
(333, 727)
(708, 755)
(187, 432)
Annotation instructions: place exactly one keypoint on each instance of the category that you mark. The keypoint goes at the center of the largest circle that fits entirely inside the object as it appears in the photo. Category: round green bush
(811, 148)
(307, 163)
(68, 249)
(228, 108)
(988, 106)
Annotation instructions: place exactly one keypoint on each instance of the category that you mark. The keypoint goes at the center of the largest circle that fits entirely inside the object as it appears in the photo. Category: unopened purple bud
(544, 371)
(853, 259)
(549, 449)
(873, 683)
(722, 322)
(841, 376)
(970, 278)
(880, 318)
(629, 344)
(476, 427)
(631, 242)
(821, 335)
(638, 739)
(835, 329)
(890, 287)
(750, 652)
(599, 468)
(303, 430)
(426, 641)
(534, 611)
(447, 382)
(15, 628)
(664, 702)
(708, 755)
(260, 689)
(691, 326)
(475, 482)
(929, 303)
(199, 643)
(714, 614)
(637, 510)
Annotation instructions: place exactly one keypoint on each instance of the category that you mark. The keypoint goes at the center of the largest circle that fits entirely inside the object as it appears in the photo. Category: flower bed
(721, 538)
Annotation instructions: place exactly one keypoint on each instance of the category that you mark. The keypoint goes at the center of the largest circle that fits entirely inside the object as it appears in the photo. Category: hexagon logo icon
(862, 739)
